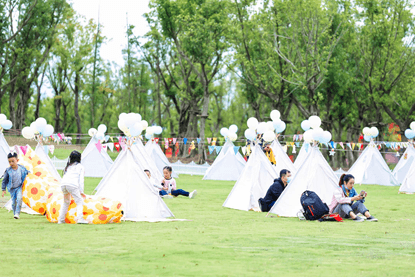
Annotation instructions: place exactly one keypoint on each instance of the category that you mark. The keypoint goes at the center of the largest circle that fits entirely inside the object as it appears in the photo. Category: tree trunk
(205, 109)
(78, 119)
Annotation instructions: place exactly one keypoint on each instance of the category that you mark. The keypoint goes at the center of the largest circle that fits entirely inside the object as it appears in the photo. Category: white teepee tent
(371, 168)
(227, 166)
(315, 175)
(146, 161)
(408, 184)
(4, 151)
(127, 182)
(40, 151)
(257, 176)
(155, 152)
(404, 164)
(281, 158)
(304, 150)
(96, 163)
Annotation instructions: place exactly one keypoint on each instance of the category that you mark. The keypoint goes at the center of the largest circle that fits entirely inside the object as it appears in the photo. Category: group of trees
(206, 64)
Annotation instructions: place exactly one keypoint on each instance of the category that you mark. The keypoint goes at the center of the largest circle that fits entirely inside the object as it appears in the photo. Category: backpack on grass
(313, 207)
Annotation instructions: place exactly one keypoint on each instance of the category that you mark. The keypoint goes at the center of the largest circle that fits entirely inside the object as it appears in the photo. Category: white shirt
(74, 177)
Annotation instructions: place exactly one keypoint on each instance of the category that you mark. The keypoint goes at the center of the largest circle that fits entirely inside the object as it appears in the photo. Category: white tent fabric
(96, 163)
(408, 184)
(302, 155)
(4, 151)
(40, 151)
(146, 161)
(227, 166)
(339, 172)
(281, 158)
(127, 182)
(315, 175)
(404, 164)
(257, 176)
(371, 168)
(155, 152)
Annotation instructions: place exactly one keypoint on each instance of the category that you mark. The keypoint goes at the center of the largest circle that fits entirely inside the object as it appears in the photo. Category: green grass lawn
(216, 242)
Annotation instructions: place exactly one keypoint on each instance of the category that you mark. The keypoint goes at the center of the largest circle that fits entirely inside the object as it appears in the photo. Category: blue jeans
(357, 207)
(176, 192)
(16, 195)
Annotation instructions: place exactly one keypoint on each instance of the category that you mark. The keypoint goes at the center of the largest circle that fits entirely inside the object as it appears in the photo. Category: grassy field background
(216, 242)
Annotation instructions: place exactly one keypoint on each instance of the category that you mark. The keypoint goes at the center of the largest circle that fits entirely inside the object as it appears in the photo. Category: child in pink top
(169, 186)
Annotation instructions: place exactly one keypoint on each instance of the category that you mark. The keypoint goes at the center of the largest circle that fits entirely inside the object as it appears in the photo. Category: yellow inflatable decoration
(43, 194)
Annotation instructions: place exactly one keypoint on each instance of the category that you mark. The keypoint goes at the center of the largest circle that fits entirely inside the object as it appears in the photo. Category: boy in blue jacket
(13, 179)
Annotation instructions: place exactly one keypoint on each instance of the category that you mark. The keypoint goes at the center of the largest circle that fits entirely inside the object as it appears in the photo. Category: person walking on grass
(73, 184)
(169, 186)
(343, 198)
(13, 180)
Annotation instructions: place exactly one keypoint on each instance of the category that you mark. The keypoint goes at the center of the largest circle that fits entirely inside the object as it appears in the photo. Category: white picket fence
(179, 167)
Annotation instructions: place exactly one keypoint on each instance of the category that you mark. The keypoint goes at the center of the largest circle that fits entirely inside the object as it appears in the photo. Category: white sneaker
(61, 222)
(16, 216)
(168, 196)
(193, 194)
(82, 221)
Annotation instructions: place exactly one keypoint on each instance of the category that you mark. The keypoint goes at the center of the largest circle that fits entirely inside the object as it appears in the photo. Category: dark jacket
(274, 192)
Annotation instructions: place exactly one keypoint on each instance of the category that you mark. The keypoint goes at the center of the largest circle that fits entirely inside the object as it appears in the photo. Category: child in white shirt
(73, 184)
(169, 185)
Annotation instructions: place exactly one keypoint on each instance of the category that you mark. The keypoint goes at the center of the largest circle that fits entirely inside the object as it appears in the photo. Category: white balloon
(326, 137)
(318, 134)
(144, 124)
(315, 121)
(28, 133)
(224, 132)
(138, 117)
(309, 136)
(374, 132)
(233, 128)
(366, 131)
(250, 134)
(92, 132)
(100, 135)
(158, 130)
(130, 120)
(280, 127)
(102, 128)
(305, 125)
(122, 116)
(252, 123)
(48, 130)
(33, 126)
(270, 126)
(232, 136)
(3, 117)
(412, 125)
(275, 114)
(150, 130)
(40, 124)
(136, 129)
(262, 128)
(121, 125)
(269, 136)
(7, 124)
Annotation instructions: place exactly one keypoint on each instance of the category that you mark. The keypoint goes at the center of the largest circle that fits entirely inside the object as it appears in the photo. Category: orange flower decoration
(39, 173)
(39, 207)
(35, 191)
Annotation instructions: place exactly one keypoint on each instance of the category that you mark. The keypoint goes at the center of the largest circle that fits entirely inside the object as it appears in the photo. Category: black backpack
(313, 207)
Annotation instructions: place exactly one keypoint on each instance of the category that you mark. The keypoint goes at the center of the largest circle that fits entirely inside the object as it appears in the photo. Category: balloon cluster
(268, 129)
(131, 124)
(38, 127)
(153, 130)
(370, 133)
(410, 133)
(4, 123)
(313, 131)
(100, 133)
(230, 133)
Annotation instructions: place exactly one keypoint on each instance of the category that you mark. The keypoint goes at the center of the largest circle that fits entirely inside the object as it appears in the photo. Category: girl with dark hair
(169, 186)
(344, 197)
(72, 184)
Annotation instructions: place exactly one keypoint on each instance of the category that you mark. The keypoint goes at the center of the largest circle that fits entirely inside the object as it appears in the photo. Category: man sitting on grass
(274, 191)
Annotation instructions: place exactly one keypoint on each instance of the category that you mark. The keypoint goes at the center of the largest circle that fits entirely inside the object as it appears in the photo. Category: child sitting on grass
(73, 184)
(14, 177)
(169, 186)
